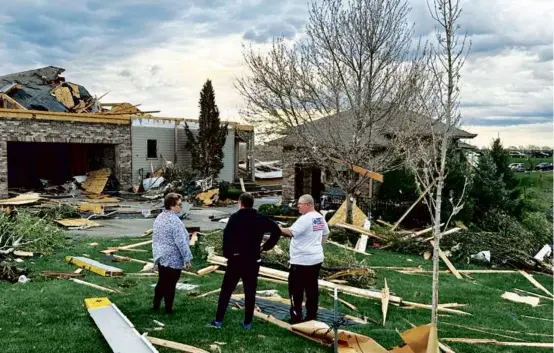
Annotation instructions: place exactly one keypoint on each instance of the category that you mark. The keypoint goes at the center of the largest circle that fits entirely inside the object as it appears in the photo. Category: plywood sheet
(22, 199)
(358, 217)
(91, 207)
(96, 181)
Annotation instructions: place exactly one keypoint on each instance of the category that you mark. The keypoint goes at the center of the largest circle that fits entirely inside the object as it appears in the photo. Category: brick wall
(27, 130)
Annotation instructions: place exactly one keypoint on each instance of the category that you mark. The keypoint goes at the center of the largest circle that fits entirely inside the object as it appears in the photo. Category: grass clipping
(336, 260)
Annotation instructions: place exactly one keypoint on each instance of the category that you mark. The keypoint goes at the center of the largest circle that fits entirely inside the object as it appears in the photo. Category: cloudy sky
(159, 53)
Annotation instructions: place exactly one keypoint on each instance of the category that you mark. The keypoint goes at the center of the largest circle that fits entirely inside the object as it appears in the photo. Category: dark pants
(167, 281)
(247, 270)
(303, 279)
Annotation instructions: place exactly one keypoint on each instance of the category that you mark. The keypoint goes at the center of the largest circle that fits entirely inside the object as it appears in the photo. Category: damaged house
(301, 176)
(52, 130)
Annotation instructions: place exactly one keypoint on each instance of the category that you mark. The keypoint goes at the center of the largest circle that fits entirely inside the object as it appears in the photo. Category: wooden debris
(499, 343)
(537, 318)
(366, 173)
(360, 230)
(448, 232)
(78, 222)
(210, 292)
(448, 263)
(96, 181)
(348, 272)
(79, 270)
(102, 199)
(206, 197)
(412, 206)
(535, 283)
(347, 248)
(514, 297)
(63, 275)
(207, 270)
(385, 294)
(534, 294)
(358, 217)
(174, 345)
(23, 253)
(285, 325)
(94, 285)
(94, 266)
(158, 323)
(476, 329)
(193, 239)
(283, 276)
(347, 304)
(23, 199)
(91, 207)
(428, 306)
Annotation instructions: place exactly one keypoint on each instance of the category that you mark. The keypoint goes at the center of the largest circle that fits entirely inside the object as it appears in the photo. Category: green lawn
(536, 189)
(48, 315)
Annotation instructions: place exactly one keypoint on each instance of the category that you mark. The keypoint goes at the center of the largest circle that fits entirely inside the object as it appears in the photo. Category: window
(151, 149)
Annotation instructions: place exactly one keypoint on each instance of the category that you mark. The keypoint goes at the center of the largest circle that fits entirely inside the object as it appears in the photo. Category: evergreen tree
(207, 147)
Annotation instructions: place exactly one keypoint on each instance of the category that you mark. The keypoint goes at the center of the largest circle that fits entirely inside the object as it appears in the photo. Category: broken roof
(44, 89)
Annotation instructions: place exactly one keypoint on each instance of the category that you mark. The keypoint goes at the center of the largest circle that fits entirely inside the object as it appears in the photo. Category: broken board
(78, 222)
(358, 217)
(96, 181)
(94, 266)
(118, 331)
(91, 207)
(22, 199)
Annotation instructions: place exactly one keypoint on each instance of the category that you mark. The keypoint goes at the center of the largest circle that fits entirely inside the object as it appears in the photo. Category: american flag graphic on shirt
(317, 224)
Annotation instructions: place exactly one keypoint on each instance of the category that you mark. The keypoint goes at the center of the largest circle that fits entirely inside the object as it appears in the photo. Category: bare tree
(432, 129)
(337, 91)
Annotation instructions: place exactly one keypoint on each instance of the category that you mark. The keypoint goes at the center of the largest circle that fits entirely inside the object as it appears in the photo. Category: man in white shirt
(308, 234)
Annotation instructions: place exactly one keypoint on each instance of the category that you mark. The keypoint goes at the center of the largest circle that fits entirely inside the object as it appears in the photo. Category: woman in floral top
(170, 247)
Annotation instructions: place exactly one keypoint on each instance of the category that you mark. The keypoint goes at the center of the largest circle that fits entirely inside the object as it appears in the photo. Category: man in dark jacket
(242, 244)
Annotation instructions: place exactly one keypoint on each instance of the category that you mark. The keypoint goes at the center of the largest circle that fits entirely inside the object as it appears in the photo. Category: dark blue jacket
(244, 233)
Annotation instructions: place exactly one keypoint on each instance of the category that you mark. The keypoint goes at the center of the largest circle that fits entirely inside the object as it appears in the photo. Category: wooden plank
(174, 345)
(534, 294)
(131, 246)
(535, 282)
(448, 232)
(428, 306)
(412, 206)
(514, 297)
(78, 222)
(360, 170)
(385, 295)
(21, 253)
(345, 303)
(207, 270)
(94, 285)
(499, 343)
(360, 230)
(60, 116)
(448, 263)
(242, 185)
(347, 248)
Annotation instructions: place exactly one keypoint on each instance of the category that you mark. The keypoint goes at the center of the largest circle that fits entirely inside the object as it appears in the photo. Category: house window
(151, 149)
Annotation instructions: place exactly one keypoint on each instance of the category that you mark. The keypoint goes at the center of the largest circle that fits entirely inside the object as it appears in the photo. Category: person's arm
(301, 225)
(228, 238)
(181, 240)
(326, 232)
(275, 233)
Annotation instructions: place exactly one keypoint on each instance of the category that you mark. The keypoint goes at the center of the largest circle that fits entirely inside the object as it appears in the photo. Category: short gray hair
(307, 198)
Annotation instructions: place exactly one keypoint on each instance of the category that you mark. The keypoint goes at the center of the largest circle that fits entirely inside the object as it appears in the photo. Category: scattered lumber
(174, 345)
(428, 306)
(535, 282)
(385, 295)
(448, 232)
(360, 230)
(514, 297)
(94, 266)
(499, 343)
(476, 329)
(283, 276)
(534, 294)
(207, 270)
(348, 272)
(23, 253)
(347, 248)
(448, 263)
(412, 206)
(63, 275)
(131, 246)
(94, 285)
(347, 304)
(285, 325)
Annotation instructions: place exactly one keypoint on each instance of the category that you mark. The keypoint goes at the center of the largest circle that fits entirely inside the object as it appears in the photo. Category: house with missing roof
(54, 130)
(301, 176)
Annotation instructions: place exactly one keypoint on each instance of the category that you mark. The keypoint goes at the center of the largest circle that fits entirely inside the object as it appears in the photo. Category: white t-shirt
(305, 247)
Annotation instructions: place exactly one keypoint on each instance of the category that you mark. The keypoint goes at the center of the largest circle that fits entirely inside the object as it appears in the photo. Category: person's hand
(187, 266)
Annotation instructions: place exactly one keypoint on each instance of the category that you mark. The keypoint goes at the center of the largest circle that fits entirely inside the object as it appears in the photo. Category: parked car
(543, 166)
(517, 154)
(517, 167)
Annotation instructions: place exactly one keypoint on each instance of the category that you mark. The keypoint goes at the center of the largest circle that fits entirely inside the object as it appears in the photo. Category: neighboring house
(156, 141)
(302, 176)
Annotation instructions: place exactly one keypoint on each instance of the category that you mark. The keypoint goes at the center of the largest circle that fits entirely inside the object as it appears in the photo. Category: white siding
(165, 146)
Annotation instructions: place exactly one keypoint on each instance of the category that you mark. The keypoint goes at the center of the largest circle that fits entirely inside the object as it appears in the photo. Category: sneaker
(216, 324)
(246, 326)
